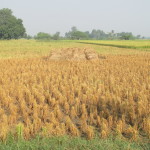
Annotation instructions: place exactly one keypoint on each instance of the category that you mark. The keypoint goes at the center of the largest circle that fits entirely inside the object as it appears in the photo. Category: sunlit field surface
(133, 44)
(89, 99)
(32, 48)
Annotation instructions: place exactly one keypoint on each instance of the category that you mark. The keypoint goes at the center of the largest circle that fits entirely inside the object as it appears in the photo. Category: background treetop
(10, 26)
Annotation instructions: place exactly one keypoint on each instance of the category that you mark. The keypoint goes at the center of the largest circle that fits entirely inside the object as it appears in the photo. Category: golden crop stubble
(77, 98)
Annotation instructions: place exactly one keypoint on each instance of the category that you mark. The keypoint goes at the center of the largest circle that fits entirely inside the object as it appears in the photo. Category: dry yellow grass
(107, 96)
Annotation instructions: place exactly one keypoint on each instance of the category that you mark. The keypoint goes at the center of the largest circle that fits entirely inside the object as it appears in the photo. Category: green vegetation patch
(131, 44)
(70, 143)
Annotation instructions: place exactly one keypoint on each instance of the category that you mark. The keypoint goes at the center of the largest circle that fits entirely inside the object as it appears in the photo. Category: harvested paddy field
(78, 98)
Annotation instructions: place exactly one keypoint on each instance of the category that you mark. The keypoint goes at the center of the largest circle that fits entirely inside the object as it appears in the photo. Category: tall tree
(75, 34)
(10, 26)
(56, 36)
(98, 34)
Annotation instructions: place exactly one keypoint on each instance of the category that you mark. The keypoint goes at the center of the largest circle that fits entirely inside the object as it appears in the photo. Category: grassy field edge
(71, 143)
(118, 46)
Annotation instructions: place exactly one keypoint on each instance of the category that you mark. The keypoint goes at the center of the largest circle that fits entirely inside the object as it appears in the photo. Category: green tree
(43, 36)
(10, 26)
(74, 29)
(75, 34)
(69, 35)
(126, 36)
(98, 34)
(56, 36)
(78, 35)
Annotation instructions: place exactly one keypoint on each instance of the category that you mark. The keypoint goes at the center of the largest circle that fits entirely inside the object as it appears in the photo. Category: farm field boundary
(144, 47)
(76, 143)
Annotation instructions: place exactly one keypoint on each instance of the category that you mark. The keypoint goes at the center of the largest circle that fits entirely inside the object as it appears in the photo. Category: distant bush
(43, 36)
(47, 36)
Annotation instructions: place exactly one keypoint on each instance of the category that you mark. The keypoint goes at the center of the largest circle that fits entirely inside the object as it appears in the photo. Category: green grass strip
(119, 46)
(70, 143)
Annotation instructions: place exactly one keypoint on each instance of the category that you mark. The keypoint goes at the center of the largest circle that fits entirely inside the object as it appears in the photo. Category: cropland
(77, 89)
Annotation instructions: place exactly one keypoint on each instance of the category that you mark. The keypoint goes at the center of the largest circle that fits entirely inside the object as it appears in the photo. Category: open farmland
(132, 44)
(32, 48)
(84, 98)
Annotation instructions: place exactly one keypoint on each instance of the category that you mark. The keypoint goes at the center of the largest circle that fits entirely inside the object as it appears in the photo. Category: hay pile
(74, 54)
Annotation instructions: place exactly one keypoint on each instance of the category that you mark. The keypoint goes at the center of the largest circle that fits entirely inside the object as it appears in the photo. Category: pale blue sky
(60, 15)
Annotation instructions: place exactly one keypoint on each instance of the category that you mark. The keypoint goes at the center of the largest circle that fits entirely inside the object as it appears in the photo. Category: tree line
(12, 28)
(75, 34)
